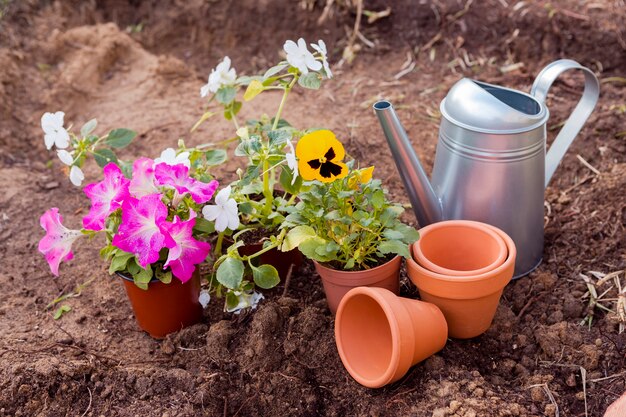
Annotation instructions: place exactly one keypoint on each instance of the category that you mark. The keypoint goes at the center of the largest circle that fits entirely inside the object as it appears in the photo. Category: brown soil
(281, 359)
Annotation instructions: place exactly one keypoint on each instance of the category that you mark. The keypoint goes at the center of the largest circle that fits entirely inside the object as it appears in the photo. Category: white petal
(222, 196)
(233, 220)
(48, 140)
(290, 48)
(204, 91)
(322, 46)
(302, 46)
(211, 212)
(204, 298)
(329, 74)
(76, 176)
(65, 157)
(62, 139)
(221, 222)
(312, 63)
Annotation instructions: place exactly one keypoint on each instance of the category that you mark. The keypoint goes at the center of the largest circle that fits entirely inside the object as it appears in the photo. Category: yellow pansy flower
(319, 157)
(362, 175)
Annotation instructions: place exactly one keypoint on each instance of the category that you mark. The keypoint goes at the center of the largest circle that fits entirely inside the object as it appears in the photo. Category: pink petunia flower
(188, 252)
(141, 231)
(106, 196)
(177, 177)
(143, 182)
(56, 245)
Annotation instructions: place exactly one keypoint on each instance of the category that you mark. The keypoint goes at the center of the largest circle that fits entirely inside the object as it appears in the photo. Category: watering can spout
(426, 204)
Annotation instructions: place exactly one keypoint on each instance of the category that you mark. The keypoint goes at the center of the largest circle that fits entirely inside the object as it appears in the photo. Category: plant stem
(267, 192)
(218, 244)
(283, 101)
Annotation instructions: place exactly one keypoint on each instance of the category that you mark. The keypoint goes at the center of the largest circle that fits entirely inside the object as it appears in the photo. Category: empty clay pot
(380, 336)
(337, 282)
(459, 247)
(165, 308)
(468, 302)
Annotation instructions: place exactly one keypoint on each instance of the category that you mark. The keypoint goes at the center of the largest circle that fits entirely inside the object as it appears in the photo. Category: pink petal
(143, 182)
(56, 245)
(142, 231)
(106, 196)
(188, 252)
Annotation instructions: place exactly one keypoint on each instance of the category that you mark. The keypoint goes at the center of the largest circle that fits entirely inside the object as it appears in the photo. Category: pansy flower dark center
(325, 165)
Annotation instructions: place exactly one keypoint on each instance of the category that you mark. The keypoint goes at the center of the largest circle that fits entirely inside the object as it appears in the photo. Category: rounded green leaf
(254, 89)
(265, 276)
(119, 138)
(230, 273)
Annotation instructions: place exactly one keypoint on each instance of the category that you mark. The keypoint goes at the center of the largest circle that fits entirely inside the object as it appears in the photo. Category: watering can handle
(578, 117)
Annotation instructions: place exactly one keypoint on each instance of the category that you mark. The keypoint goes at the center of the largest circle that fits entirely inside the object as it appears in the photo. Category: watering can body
(491, 163)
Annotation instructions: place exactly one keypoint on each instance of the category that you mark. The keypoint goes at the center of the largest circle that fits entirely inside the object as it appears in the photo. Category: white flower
(292, 162)
(224, 212)
(169, 157)
(55, 133)
(76, 175)
(65, 157)
(299, 56)
(222, 75)
(205, 298)
(246, 299)
(321, 48)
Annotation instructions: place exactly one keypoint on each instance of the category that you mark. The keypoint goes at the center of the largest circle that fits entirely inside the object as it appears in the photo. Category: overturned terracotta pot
(337, 282)
(469, 302)
(380, 336)
(460, 247)
(165, 308)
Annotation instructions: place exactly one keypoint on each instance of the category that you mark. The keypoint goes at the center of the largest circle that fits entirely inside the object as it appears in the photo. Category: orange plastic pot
(380, 336)
(165, 308)
(468, 302)
(459, 247)
(337, 283)
(618, 408)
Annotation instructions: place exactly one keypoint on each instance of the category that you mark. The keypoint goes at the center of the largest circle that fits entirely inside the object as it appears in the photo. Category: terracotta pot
(337, 282)
(469, 302)
(165, 308)
(279, 260)
(618, 408)
(380, 336)
(459, 247)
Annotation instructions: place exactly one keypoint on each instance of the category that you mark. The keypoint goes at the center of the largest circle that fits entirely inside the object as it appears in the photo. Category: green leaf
(88, 127)
(215, 157)
(61, 310)
(226, 95)
(119, 138)
(254, 89)
(265, 276)
(232, 300)
(311, 80)
(119, 261)
(395, 247)
(252, 172)
(286, 179)
(393, 234)
(274, 70)
(279, 137)
(230, 273)
(296, 236)
(245, 208)
(409, 234)
(164, 276)
(204, 226)
(143, 276)
(378, 199)
(127, 168)
(309, 248)
(104, 156)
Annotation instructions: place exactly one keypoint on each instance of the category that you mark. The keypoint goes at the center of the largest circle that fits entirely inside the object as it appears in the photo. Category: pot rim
(357, 278)
(324, 267)
(394, 361)
(477, 277)
(422, 260)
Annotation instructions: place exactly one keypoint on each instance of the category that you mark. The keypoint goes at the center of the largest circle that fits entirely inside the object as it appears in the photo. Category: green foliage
(348, 223)
(120, 138)
(61, 311)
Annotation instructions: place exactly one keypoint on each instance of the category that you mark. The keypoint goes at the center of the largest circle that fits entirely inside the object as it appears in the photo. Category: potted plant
(150, 215)
(248, 252)
(344, 222)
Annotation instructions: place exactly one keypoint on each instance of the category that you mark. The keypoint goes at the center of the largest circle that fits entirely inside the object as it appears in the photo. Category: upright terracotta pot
(337, 283)
(459, 247)
(380, 336)
(278, 259)
(165, 308)
(468, 302)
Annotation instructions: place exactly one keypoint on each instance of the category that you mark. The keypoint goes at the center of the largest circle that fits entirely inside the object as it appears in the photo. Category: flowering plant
(148, 211)
(267, 186)
(343, 217)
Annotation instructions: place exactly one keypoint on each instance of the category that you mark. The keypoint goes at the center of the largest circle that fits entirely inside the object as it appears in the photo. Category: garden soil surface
(140, 64)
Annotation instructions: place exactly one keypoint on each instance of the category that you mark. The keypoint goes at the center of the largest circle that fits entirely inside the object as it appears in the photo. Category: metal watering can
(491, 163)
